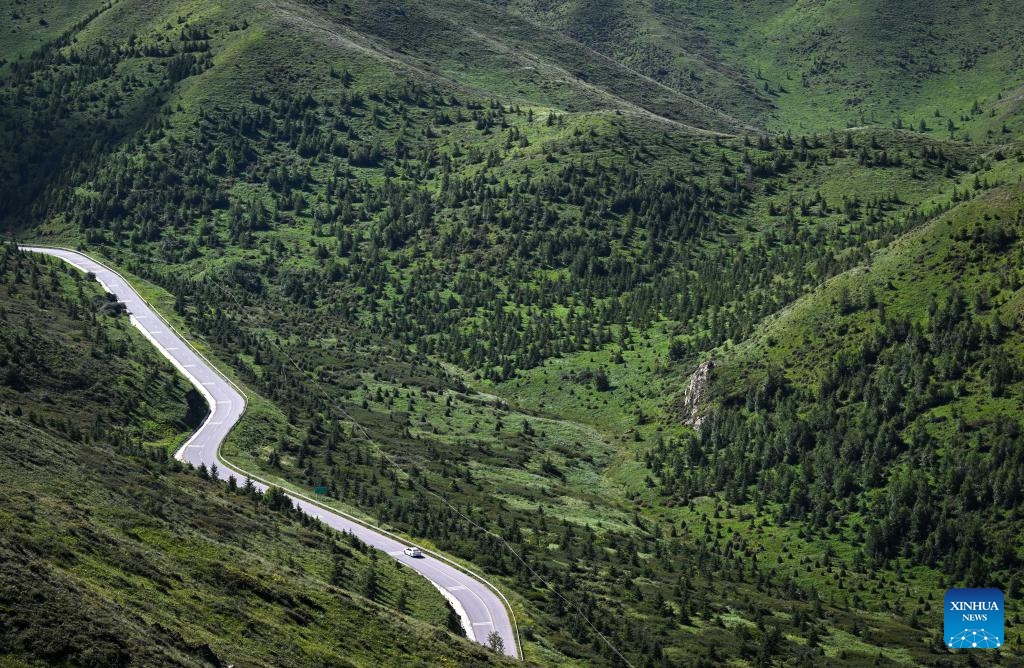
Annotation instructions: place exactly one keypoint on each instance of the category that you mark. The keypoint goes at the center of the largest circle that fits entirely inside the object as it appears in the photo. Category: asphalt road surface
(480, 607)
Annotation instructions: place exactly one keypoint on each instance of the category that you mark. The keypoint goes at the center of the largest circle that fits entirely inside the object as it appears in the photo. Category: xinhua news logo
(974, 618)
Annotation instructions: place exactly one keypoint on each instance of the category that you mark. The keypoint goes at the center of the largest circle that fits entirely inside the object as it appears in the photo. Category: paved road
(480, 608)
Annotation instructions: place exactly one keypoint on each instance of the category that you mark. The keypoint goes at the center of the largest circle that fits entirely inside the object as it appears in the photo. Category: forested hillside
(893, 393)
(465, 257)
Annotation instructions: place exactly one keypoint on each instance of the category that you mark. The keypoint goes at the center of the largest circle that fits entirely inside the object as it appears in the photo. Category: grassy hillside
(29, 26)
(468, 265)
(844, 62)
(115, 555)
(794, 65)
(666, 42)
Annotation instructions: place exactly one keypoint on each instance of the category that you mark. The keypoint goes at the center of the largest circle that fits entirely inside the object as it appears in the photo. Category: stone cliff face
(696, 393)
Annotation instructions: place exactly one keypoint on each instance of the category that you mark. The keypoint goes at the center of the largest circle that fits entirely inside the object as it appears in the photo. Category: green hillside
(466, 256)
(806, 66)
(114, 555)
(907, 370)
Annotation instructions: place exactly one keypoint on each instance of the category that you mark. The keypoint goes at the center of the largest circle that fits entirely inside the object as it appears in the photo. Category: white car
(413, 552)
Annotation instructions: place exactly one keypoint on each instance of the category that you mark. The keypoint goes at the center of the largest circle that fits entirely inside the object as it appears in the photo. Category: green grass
(28, 27)
(806, 67)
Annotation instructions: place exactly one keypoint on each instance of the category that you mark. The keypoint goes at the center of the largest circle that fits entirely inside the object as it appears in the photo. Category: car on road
(413, 551)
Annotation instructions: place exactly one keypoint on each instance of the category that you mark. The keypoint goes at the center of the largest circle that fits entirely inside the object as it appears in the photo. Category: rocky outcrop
(696, 393)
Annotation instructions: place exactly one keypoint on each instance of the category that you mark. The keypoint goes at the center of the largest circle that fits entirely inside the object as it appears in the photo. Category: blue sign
(973, 618)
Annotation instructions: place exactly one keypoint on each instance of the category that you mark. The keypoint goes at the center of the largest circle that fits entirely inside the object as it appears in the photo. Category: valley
(464, 257)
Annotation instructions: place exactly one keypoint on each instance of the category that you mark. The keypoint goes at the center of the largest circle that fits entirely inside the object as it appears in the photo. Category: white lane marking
(490, 617)
(482, 624)
(456, 588)
(456, 604)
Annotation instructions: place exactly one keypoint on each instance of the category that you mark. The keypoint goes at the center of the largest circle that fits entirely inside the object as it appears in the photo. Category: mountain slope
(490, 52)
(789, 64)
(906, 370)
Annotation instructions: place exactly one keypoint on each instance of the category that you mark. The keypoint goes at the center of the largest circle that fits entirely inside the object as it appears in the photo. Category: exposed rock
(696, 393)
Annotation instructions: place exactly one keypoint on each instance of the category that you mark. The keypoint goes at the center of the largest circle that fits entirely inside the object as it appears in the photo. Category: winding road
(481, 607)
